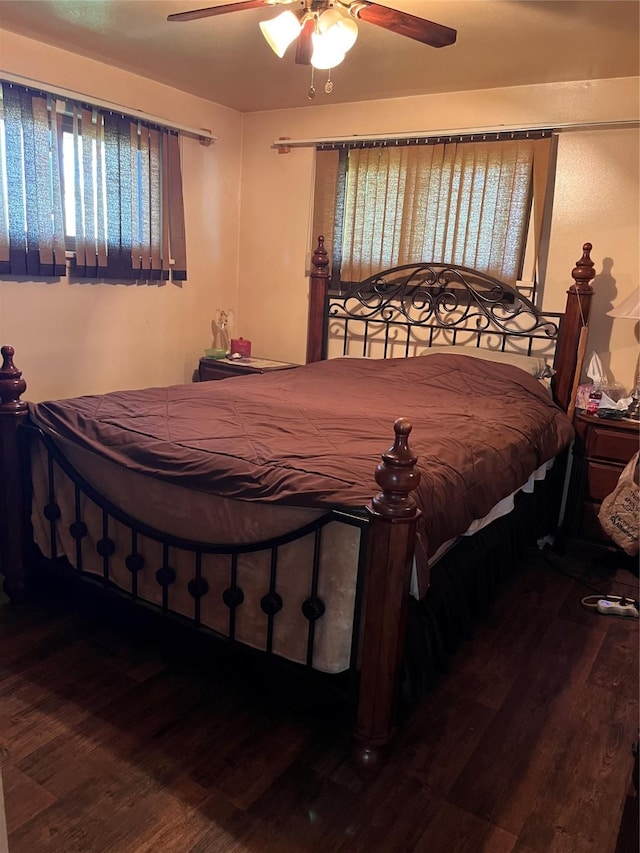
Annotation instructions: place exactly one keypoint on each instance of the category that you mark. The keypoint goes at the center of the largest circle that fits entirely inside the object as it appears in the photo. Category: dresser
(212, 368)
(601, 450)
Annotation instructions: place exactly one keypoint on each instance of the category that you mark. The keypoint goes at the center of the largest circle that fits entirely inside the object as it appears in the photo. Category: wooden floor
(111, 741)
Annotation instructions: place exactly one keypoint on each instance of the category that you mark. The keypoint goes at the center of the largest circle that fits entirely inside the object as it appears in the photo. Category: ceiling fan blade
(435, 35)
(304, 45)
(209, 11)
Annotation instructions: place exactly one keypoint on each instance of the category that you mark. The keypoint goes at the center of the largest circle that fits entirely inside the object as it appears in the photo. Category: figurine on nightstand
(220, 328)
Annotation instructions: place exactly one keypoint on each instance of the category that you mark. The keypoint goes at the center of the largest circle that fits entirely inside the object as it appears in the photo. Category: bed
(265, 509)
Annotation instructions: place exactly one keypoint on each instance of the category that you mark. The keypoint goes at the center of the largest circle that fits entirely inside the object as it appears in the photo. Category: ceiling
(225, 58)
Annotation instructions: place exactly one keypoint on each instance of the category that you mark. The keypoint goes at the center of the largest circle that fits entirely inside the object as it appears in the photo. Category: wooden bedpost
(386, 596)
(318, 292)
(572, 341)
(13, 411)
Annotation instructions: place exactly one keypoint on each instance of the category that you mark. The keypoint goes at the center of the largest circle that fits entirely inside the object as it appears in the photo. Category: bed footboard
(13, 538)
(379, 625)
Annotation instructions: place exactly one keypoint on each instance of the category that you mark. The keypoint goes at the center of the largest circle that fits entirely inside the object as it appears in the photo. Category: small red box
(240, 346)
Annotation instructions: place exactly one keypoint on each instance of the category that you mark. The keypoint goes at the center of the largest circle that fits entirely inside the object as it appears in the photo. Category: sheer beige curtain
(464, 203)
(328, 207)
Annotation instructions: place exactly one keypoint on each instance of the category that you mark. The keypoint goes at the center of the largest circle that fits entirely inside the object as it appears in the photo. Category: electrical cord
(600, 602)
(584, 583)
(612, 605)
(591, 601)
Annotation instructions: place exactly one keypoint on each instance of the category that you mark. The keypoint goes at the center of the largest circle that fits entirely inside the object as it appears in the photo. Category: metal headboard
(403, 310)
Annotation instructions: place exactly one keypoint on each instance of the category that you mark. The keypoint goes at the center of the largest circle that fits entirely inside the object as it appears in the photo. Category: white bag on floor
(619, 514)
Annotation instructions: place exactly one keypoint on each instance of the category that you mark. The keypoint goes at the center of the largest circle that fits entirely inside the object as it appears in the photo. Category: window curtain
(459, 202)
(328, 206)
(121, 181)
(129, 210)
(31, 218)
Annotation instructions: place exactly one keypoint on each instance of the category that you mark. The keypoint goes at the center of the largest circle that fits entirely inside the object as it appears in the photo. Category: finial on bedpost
(584, 270)
(12, 385)
(318, 293)
(385, 599)
(396, 475)
(572, 339)
(320, 260)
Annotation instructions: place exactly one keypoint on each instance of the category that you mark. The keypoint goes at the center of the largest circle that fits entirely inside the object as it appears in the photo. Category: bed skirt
(466, 581)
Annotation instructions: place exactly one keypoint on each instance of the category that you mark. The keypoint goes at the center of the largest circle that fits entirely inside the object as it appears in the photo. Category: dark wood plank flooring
(116, 739)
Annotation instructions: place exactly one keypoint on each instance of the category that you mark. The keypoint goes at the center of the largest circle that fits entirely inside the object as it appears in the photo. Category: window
(461, 202)
(103, 185)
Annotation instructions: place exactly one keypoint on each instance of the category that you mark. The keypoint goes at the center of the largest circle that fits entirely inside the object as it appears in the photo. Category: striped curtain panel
(106, 187)
(31, 217)
(129, 210)
(465, 203)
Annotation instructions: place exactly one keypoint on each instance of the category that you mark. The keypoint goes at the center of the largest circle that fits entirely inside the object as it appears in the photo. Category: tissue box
(240, 346)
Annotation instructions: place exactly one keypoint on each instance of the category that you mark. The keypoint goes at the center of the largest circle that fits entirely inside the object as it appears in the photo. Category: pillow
(534, 365)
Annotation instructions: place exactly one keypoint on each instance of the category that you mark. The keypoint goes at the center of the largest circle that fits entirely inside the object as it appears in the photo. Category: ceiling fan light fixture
(342, 29)
(326, 29)
(279, 32)
(327, 52)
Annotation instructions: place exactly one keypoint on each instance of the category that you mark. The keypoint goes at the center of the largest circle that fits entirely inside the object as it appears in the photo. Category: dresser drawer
(601, 450)
(601, 479)
(610, 443)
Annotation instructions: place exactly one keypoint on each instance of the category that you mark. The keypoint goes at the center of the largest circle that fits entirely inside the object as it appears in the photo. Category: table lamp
(629, 309)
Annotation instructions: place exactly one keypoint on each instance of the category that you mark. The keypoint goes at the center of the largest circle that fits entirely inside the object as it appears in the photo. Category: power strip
(617, 608)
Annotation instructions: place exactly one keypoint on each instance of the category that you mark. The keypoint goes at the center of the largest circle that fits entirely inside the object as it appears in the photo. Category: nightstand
(601, 450)
(212, 368)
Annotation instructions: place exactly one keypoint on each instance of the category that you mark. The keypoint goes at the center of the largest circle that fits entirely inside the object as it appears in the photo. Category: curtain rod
(284, 142)
(201, 133)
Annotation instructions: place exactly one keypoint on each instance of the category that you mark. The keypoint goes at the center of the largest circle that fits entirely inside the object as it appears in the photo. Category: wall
(596, 200)
(247, 212)
(89, 338)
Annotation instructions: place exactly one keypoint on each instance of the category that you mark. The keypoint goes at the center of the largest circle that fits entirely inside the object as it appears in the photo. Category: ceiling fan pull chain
(328, 86)
(312, 92)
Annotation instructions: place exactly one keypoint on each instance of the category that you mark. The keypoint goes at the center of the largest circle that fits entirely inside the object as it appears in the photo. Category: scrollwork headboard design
(402, 310)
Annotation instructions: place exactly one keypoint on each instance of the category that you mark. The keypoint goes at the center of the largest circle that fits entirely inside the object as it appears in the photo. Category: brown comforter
(313, 436)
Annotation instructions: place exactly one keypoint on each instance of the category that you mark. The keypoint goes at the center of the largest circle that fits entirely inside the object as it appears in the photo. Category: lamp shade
(342, 31)
(628, 308)
(280, 32)
(327, 52)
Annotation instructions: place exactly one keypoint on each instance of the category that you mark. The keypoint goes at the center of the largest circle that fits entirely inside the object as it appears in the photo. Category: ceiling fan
(326, 29)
